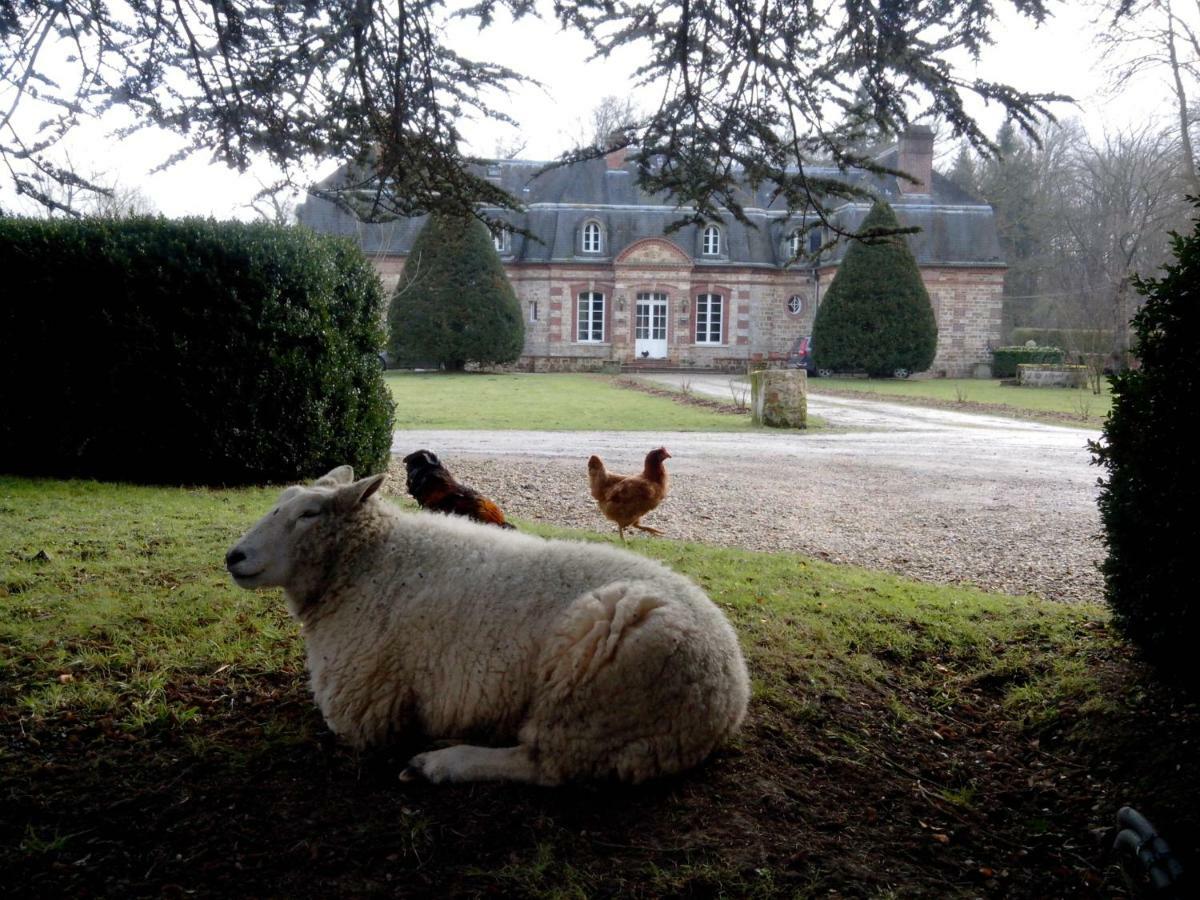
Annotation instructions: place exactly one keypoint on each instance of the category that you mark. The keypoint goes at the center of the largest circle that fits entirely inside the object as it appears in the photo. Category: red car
(800, 357)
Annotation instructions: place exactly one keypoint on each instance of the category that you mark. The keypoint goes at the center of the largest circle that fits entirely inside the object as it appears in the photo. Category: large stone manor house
(605, 285)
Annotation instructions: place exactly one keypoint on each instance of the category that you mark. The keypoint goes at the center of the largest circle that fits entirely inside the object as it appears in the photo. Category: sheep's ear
(360, 491)
(335, 477)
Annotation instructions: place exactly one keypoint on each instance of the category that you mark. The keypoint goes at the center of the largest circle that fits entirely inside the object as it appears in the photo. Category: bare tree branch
(753, 92)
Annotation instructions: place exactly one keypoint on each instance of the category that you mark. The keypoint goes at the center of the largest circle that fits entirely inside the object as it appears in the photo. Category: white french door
(650, 326)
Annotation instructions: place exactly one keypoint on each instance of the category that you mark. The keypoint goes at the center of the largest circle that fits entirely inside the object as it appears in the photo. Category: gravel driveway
(933, 495)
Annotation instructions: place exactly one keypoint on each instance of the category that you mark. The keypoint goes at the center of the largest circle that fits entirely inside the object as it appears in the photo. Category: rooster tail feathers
(487, 511)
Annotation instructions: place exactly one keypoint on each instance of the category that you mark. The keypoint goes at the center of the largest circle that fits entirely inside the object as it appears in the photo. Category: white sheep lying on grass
(563, 660)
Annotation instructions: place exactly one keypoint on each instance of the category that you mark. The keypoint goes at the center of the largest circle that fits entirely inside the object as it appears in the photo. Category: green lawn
(543, 403)
(1079, 405)
(157, 734)
(132, 589)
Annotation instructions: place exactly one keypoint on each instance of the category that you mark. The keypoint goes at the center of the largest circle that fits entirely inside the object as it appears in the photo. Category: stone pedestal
(779, 398)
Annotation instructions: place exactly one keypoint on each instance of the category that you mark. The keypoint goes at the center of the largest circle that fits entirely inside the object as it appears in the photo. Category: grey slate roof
(956, 229)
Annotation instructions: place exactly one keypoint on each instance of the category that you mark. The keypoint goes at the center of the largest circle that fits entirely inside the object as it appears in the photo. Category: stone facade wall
(773, 328)
(758, 326)
(967, 302)
(756, 323)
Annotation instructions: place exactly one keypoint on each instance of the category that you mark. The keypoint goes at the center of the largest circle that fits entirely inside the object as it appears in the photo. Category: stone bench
(1043, 375)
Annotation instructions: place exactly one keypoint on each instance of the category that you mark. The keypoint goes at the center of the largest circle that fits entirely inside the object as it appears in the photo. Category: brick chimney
(616, 159)
(916, 158)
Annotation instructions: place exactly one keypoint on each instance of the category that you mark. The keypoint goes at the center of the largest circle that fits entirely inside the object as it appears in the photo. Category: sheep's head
(288, 546)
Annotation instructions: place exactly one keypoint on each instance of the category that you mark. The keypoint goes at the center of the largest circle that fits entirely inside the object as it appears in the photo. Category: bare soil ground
(831, 801)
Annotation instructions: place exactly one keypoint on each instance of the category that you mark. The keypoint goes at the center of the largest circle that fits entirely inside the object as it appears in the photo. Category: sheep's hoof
(426, 767)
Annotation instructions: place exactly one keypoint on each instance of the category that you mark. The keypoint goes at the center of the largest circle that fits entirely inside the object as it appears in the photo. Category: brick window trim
(584, 287)
(726, 294)
(648, 287)
(670, 292)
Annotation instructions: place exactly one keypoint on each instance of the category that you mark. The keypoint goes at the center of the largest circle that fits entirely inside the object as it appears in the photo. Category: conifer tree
(454, 304)
(964, 174)
(876, 316)
(386, 90)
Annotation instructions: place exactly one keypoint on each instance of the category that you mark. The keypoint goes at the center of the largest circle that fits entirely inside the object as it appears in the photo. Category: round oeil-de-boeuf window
(795, 304)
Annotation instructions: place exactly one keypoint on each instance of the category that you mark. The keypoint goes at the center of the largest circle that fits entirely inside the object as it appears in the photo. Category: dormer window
(711, 245)
(501, 242)
(795, 243)
(593, 238)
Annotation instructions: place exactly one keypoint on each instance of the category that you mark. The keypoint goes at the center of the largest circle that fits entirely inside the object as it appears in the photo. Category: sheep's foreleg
(466, 762)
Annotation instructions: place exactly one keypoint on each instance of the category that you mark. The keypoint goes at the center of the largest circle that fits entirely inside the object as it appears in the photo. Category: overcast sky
(1058, 57)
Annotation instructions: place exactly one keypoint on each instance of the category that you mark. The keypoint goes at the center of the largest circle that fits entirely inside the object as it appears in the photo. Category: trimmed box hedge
(1148, 499)
(191, 352)
(1006, 359)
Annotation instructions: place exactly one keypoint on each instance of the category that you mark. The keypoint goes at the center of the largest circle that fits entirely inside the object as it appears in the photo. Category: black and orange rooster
(434, 488)
(624, 499)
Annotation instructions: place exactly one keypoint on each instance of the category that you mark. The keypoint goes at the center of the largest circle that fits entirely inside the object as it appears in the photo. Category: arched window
(593, 238)
(500, 241)
(711, 245)
(795, 243)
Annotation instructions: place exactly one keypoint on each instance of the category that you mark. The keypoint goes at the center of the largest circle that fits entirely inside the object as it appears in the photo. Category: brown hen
(624, 499)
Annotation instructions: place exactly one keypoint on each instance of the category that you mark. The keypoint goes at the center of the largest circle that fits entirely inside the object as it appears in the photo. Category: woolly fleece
(561, 660)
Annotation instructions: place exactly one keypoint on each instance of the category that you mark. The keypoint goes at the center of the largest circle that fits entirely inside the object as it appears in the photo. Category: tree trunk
(1185, 138)
(1121, 325)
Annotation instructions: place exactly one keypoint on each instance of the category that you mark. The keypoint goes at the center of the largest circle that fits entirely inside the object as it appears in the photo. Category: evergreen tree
(964, 175)
(876, 315)
(1148, 502)
(454, 303)
(738, 91)
(1011, 182)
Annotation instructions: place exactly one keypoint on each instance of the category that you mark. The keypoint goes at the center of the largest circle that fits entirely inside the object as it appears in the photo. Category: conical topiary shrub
(454, 303)
(876, 316)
